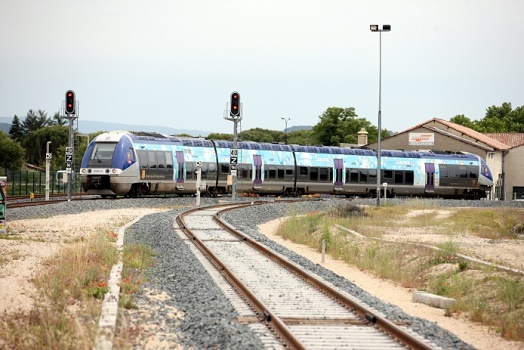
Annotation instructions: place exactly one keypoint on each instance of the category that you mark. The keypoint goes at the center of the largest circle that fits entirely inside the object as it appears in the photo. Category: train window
(161, 159)
(452, 171)
(372, 176)
(323, 174)
(103, 151)
(443, 170)
(203, 171)
(142, 157)
(409, 177)
(280, 173)
(244, 172)
(151, 159)
(313, 174)
(169, 160)
(289, 172)
(224, 168)
(303, 170)
(212, 167)
(272, 173)
(473, 172)
(388, 174)
(353, 176)
(399, 177)
(463, 174)
(363, 176)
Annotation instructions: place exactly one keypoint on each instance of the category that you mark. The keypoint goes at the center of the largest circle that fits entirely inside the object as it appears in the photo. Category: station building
(503, 152)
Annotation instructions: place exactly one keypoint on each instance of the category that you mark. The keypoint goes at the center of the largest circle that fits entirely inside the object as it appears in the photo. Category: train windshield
(103, 151)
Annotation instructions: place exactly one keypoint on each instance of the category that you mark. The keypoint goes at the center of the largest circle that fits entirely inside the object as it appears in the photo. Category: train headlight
(107, 171)
(114, 171)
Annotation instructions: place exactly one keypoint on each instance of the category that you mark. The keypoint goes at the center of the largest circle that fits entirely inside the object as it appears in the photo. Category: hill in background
(90, 126)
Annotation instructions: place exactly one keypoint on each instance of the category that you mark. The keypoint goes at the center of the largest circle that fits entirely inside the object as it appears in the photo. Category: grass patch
(485, 295)
(70, 288)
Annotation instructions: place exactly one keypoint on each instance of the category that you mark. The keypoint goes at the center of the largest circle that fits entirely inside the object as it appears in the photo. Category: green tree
(341, 125)
(17, 130)
(219, 136)
(301, 137)
(464, 121)
(12, 153)
(35, 143)
(35, 120)
(261, 135)
(58, 120)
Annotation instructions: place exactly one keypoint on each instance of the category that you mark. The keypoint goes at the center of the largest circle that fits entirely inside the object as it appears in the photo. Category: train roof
(253, 145)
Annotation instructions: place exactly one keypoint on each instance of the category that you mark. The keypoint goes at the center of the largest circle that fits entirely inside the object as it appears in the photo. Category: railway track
(301, 310)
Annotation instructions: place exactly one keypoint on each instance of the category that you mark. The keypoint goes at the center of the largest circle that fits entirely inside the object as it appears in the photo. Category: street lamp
(376, 28)
(285, 120)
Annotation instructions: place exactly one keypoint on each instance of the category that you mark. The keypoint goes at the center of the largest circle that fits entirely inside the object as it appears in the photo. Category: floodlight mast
(376, 28)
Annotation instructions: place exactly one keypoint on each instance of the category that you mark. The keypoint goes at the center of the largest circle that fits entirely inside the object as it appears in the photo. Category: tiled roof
(512, 139)
(465, 131)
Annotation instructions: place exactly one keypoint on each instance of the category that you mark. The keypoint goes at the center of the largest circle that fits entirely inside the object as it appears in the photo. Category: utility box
(3, 194)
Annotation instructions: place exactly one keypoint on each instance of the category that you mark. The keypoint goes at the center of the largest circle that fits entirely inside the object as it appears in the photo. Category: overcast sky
(175, 63)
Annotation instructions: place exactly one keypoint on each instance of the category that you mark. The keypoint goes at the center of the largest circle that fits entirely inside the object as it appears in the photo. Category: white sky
(175, 63)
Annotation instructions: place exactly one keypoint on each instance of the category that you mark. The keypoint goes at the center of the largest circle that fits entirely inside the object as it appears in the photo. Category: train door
(430, 177)
(180, 171)
(257, 182)
(339, 167)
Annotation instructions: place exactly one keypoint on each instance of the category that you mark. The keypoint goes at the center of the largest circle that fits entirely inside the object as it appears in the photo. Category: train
(134, 164)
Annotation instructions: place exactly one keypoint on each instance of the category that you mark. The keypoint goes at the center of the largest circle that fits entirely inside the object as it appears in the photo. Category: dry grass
(71, 287)
(485, 295)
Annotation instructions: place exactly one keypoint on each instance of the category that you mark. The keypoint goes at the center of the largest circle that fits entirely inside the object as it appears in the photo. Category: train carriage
(134, 164)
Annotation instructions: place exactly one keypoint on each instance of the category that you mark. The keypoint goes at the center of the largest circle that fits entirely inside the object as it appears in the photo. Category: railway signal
(235, 104)
(70, 102)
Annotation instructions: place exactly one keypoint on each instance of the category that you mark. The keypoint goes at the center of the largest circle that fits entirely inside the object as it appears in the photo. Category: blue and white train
(121, 163)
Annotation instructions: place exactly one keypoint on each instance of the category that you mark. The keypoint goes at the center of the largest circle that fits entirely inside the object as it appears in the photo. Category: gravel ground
(205, 318)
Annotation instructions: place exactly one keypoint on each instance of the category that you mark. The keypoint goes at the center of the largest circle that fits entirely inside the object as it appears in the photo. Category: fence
(25, 182)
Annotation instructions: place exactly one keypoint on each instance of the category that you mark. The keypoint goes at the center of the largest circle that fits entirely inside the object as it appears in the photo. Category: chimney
(362, 137)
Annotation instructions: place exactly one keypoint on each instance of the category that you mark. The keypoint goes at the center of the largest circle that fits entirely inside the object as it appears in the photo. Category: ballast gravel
(181, 300)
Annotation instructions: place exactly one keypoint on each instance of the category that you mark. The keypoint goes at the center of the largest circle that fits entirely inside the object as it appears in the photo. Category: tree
(17, 130)
(341, 125)
(464, 121)
(35, 142)
(12, 153)
(497, 119)
(218, 136)
(301, 137)
(35, 120)
(58, 120)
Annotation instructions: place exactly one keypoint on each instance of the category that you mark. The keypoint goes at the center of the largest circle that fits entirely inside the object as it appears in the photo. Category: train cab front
(102, 169)
(485, 176)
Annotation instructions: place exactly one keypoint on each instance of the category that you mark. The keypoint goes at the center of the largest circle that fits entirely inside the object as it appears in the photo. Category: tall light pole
(376, 28)
(285, 121)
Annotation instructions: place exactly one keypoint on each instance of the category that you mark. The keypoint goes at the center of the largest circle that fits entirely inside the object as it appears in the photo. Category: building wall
(514, 168)
(441, 142)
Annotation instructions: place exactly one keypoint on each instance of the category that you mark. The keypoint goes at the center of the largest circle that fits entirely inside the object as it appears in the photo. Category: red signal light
(235, 104)
(70, 102)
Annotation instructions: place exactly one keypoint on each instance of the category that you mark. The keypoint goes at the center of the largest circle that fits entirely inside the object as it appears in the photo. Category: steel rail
(378, 321)
(264, 312)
